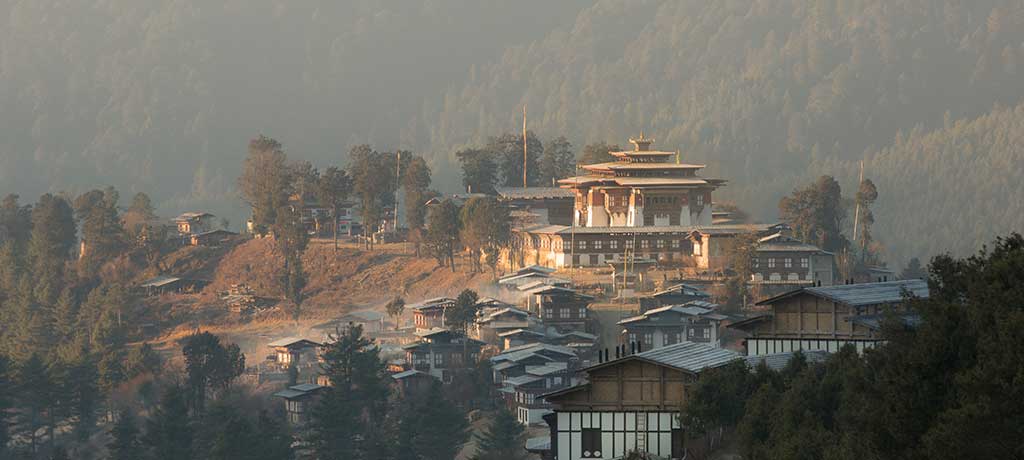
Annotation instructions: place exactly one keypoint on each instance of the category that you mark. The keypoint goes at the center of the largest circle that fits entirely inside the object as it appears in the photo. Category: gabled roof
(290, 341)
(863, 294)
(438, 302)
(215, 232)
(682, 288)
(364, 315)
(744, 323)
(297, 391)
(874, 322)
(547, 369)
(522, 380)
(504, 365)
(550, 281)
(696, 308)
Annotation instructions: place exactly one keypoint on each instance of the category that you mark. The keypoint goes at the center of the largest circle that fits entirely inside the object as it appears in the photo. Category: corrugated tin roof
(406, 374)
(858, 295)
(306, 387)
(431, 303)
(875, 321)
(689, 356)
(522, 380)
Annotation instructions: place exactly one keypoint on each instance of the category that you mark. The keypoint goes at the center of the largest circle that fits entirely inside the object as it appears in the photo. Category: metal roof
(688, 356)
(684, 289)
(778, 361)
(432, 303)
(185, 216)
(520, 331)
(858, 295)
(289, 394)
(549, 368)
(504, 365)
(514, 193)
(288, 341)
(874, 322)
(523, 380)
(306, 387)
(159, 281)
(406, 374)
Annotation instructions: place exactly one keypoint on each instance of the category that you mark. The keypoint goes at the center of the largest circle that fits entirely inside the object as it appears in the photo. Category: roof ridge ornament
(641, 144)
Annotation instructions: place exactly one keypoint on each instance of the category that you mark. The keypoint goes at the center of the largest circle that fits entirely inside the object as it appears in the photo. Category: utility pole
(524, 145)
(398, 182)
(856, 212)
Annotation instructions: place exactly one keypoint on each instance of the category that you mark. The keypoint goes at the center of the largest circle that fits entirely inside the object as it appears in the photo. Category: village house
(429, 314)
(696, 321)
(828, 317)
(411, 382)
(212, 237)
(297, 401)
(190, 223)
(545, 205)
(522, 394)
(513, 361)
(442, 353)
(493, 322)
(712, 245)
(292, 351)
(631, 403)
(781, 259)
(560, 309)
(676, 294)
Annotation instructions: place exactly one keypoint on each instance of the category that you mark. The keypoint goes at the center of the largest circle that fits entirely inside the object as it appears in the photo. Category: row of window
(787, 262)
(564, 313)
(614, 244)
(670, 339)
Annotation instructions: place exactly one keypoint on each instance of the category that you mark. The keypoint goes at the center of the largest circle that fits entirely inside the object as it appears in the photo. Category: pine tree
(103, 236)
(557, 162)
(271, 440)
(343, 423)
(432, 427)
(332, 191)
(504, 439)
(36, 396)
(7, 390)
(210, 366)
(169, 433)
(53, 237)
(125, 443)
(479, 170)
(143, 360)
(443, 232)
(265, 182)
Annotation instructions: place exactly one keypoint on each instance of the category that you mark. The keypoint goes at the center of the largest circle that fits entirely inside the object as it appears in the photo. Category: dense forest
(160, 96)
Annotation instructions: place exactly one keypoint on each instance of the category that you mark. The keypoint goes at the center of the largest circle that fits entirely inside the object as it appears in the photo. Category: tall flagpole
(856, 212)
(524, 145)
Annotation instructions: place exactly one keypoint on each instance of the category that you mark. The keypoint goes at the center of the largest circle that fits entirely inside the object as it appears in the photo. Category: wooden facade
(824, 318)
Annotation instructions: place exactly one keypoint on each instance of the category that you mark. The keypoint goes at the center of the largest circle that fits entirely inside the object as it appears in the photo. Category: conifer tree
(7, 390)
(36, 397)
(125, 443)
(169, 434)
(431, 427)
(504, 439)
(443, 232)
(53, 237)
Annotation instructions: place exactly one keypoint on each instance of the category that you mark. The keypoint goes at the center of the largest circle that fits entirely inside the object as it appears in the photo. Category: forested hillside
(162, 96)
(761, 89)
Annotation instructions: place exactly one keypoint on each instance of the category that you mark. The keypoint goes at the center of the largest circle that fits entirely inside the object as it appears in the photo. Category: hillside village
(620, 274)
(589, 319)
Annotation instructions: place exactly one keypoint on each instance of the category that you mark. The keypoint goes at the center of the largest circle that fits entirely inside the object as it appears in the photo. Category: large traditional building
(828, 318)
(642, 203)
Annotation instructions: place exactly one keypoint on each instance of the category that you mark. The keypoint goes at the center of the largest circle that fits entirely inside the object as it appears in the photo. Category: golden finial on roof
(641, 144)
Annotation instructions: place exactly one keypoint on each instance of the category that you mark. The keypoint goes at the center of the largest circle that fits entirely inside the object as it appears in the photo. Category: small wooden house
(298, 399)
(429, 314)
(630, 404)
(190, 223)
(291, 350)
(827, 317)
(212, 238)
(696, 321)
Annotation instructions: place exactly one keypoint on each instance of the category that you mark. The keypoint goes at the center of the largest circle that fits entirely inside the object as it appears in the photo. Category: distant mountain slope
(162, 96)
(762, 89)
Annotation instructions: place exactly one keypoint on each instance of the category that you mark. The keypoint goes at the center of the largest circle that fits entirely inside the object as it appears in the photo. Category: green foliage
(913, 270)
(557, 162)
(817, 214)
(507, 150)
(374, 183)
(944, 389)
(395, 307)
(503, 439)
(479, 170)
(345, 421)
(429, 427)
(7, 389)
(36, 395)
(210, 366)
(125, 443)
(53, 237)
(464, 312)
(598, 152)
(15, 221)
(332, 191)
(266, 181)
(103, 236)
(443, 232)
(416, 184)
(485, 227)
(143, 360)
(169, 431)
